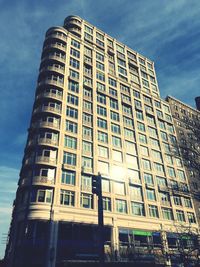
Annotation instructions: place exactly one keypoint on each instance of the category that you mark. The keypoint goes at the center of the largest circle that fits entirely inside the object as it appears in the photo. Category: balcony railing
(53, 68)
(44, 159)
(50, 95)
(42, 180)
(47, 109)
(47, 141)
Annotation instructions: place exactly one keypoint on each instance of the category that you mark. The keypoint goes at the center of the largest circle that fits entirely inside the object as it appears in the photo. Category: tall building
(97, 109)
(187, 124)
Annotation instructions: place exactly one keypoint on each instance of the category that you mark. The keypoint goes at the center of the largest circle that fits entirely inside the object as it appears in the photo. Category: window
(71, 99)
(87, 162)
(75, 53)
(177, 200)
(180, 216)
(86, 183)
(181, 175)
(67, 197)
(87, 93)
(87, 118)
(112, 92)
(136, 94)
(127, 109)
(103, 151)
(121, 206)
(72, 112)
(101, 111)
(87, 147)
(146, 164)
(136, 193)
(103, 166)
(144, 151)
(106, 204)
(153, 211)
(86, 201)
(159, 168)
(132, 160)
(101, 123)
(99, 57)
(69, 158)
(130, 147)
(115, 128)
(156, 155)
(191, 217)
(87, 51)
(140, 126)
(100, 76)
(71, 126)
(122, 71)
(101, 87)
(113, 103)
(116, 141)
(101, 99)
(129, 134)
(161, 181)
(73, 86)
(105, 185)
(137, 209)
(142, 138)
(148, 178)
(42, 196)
(87, 105)
(188, 202)
(100, 66)
(117, 155)
(151, 194)
(119, 188)
(68, 177)
(112, 82)
(74, 63)
(169, 159)
(167, 214)
(128, 122)
(102, 137)
(75, 43)
(114, 116)
(139, 115)
(171, 172)
(88, 29)
(70, 142)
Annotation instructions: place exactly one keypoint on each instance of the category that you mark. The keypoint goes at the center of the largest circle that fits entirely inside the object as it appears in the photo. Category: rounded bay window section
(73, 25)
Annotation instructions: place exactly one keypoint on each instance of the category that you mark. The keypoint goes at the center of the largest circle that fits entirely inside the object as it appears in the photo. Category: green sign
(142, 233)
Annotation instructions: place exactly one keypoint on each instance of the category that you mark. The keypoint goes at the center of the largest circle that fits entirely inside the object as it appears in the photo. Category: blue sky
(167, 31)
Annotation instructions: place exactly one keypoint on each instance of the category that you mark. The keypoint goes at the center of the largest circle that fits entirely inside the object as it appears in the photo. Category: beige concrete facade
(187, 122)
(98, 109)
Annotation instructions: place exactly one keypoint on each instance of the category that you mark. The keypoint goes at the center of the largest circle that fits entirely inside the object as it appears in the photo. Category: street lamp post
(97, 189)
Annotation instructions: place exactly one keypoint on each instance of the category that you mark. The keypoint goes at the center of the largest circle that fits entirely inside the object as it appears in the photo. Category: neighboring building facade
(187, 124)
(97, 108)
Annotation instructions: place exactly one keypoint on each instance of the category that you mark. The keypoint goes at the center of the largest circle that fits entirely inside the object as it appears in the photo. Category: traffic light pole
(97, 189)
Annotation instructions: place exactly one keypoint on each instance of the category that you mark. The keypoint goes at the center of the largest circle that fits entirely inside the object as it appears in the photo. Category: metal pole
(100, 223)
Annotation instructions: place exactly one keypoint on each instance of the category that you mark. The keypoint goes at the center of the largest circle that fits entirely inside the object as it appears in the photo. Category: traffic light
(96, 184)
